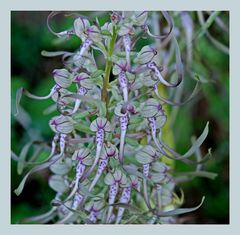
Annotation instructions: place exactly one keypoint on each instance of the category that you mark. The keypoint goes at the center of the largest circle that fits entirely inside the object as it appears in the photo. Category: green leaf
(101, 47)
(192, 95)
(81, 213)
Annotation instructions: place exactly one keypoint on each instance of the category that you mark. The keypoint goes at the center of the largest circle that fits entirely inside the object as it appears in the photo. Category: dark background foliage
(29, 36)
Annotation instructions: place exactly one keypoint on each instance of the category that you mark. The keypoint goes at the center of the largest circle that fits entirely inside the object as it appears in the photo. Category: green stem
(108, 68)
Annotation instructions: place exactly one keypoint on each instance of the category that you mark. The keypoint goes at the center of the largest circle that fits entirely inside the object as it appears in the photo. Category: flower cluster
(108, 155)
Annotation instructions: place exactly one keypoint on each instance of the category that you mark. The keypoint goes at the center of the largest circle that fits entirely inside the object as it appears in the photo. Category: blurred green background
(29, 36)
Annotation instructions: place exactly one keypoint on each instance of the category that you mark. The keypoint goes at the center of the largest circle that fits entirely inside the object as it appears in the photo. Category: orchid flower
(114, 181)
(88, 34)
(126, 195)
(100, 126)
(94, 208)
(123, 118)
(84, 159)
(75, 204)
(152, 110)
(108, 151)
(127, 45)
(146, 155)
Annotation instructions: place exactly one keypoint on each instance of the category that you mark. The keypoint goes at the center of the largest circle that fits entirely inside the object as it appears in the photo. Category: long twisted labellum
(43, 166)
(81, 91)
(125, 197)
(127, 45)
(122, 78)
(166, 36)
(75, 204)
(79, 172)
(112, 195)
(101, 168)
(123, 123)
(21, 91)
(85, 47)
(64, 33)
